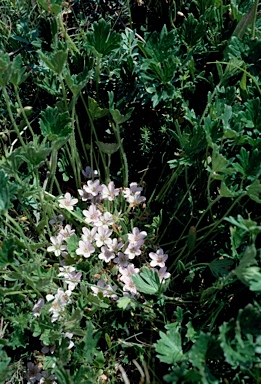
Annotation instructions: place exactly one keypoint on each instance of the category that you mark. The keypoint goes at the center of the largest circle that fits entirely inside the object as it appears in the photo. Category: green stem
(254, 20)
(96, 138)
(124, 162)
(22, 110)
(20, 232)
(66, 36)
(8, 103)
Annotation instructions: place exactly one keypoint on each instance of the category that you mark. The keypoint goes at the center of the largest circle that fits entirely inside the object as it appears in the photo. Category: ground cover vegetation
(130, 191)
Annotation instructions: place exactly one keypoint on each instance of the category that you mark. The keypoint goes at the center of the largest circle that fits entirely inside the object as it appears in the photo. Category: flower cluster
(103, 239)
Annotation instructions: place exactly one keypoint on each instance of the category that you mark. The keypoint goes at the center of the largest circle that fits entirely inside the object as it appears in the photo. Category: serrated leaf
(55, 126)
(55, 61)
(248, 259)
(226, 192)
(101, 40)
(94, 109)
(220, 267)
(254, 191)
(219, 164)
(197, 353)
(147, 281)
(72, 244)
(76, 82)
(118, 117)
(169, 346)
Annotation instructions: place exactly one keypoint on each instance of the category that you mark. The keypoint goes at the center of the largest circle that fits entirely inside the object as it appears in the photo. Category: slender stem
(8, 103)
(254, 20)
(22, 110)
(96, 137)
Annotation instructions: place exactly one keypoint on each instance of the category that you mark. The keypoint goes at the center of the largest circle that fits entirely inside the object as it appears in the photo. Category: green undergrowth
(130, 191)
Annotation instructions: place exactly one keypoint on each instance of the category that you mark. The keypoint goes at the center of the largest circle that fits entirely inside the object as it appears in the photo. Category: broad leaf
(55, 126)
(101, 40)
(169, 346)
(147, 281)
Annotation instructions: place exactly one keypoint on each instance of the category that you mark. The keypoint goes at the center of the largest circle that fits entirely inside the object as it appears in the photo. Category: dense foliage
(130, 191)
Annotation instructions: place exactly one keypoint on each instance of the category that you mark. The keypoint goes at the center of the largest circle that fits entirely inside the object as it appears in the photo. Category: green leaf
(73, 323)
(76, 82)
(254, 191)
(220, 267)
(147, 281)
(169, 346)
(118, 117)
(198, 351)
(7, 252)
(161, 46)
(101, 40)
(220, 164)
(35, 153)
(55, 126)
(239, 350)
(108, 148)
(248, 259)
(72, 244)
(251, 115)
(8, 192)
(226, 192)
(94, 109)
(5, 69)
(55, 61)
(18, 75)
(52, 6)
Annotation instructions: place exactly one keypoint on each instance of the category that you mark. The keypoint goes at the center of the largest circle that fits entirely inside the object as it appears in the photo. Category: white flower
(136, 199)
(106, 289)
(60, 300)
(105, 219)
(57, 246)
(133, 250)
(110, 192)
(71, 343)
(114, 245)
(102, 236)
(66, 232)
(127, 272)
(68, 201)
(37, 308)
(85, 248)
(84, 194)
(72, 278)
(88, 235)
(106, 254)
(137, 236)
(163, 274)
(158, 259)
(92, 215)
(93, 187)
(129, 286)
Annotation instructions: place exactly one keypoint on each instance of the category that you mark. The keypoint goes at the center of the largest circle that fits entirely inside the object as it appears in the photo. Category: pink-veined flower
(57, 246)
(67, 201)
(158, 258)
